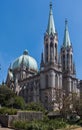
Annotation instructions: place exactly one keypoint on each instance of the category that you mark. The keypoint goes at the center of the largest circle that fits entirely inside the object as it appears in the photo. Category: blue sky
(24, 22)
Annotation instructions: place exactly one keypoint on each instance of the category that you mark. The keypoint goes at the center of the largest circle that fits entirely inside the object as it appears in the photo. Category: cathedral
(57, 72)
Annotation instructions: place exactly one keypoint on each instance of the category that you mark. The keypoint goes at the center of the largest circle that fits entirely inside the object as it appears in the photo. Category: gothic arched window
(51, 44)
(51, 50)
(67, 60)
(55, 52)
(63, 61)
(47, 52)
(71, 61)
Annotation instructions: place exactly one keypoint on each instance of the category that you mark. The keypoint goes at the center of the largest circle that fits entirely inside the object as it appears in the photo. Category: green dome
(26, 60)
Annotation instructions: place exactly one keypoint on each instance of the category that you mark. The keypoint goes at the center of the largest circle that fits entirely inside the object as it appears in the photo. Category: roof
(66, 41)
(25, 60)
(51, 26)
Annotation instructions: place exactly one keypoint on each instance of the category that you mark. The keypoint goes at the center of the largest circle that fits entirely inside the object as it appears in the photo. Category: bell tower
(51, 73)
(50, 41)
(68, 66)
(67, 53)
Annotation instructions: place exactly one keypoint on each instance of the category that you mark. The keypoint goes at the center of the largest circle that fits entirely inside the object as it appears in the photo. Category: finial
(25, 52)
(66, 22)
(42, 56)
(42, 60)
(50, 4)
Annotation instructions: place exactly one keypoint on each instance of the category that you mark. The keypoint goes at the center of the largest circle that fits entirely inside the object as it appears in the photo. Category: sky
(24, 22)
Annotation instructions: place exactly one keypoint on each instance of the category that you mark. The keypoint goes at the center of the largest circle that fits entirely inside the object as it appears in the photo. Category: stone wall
(29, 115)
(12, 118)
(6, 120)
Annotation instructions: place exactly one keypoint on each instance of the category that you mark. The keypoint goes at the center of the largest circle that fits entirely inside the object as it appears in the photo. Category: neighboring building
(57, 71)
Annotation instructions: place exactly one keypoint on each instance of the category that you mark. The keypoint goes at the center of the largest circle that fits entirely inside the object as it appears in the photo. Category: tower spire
(66, 41)
(51, 25)
(74, 69)
(42, 61)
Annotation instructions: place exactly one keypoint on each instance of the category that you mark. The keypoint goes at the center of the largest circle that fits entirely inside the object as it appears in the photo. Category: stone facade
(57, 71)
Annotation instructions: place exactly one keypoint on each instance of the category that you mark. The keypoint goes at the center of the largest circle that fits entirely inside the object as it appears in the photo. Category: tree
(35, 106)
(66, 104)
(9, 99)
(71, 104)
(19, 102)
(5, 94)
(63, 101)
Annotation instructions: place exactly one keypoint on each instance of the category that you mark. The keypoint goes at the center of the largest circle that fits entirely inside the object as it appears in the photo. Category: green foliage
(5, 94)
(16, 102)
(9, 99)
(19, 124)
(8, 111)
(80, 123)
(19, 102)
(57, 123)
(45, 119)
(35, 107)
(40, 125)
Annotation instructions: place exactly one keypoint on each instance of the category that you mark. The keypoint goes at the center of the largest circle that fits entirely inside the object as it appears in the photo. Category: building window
(71, 61)
(67, 60)
(51, 44)
(46, 52)
(55, 52)
(63, 59)
(51, 38)
(51, 51)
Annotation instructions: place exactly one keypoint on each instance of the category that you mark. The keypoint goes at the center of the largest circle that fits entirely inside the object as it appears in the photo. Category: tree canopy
(9, 99)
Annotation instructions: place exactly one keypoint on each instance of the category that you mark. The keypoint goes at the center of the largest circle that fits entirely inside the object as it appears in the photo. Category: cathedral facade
(56, 74)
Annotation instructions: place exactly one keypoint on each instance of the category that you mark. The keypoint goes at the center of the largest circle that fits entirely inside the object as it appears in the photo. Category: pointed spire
(42, 57)
(42, 60)
(59, 60)
(74, 69)
(51, 25)
(66, 42)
